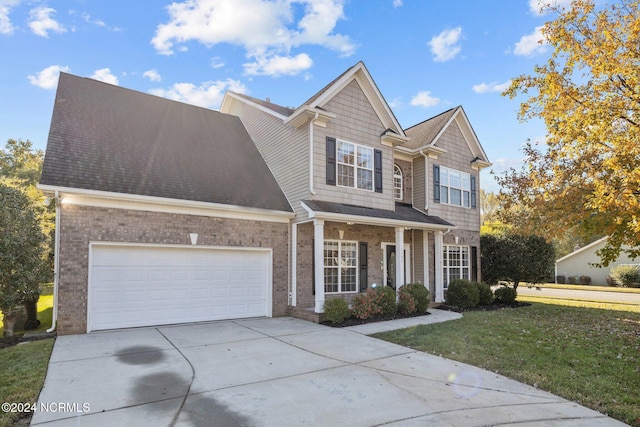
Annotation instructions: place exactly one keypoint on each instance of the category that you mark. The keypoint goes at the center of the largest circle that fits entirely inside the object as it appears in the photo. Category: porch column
(399, 257)
(439, 279)
(318, 255)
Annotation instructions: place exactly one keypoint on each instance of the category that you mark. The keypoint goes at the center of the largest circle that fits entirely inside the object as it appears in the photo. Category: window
(455, 263)
(340, 266)
(454, 187)
(397, 182)
(355, 166)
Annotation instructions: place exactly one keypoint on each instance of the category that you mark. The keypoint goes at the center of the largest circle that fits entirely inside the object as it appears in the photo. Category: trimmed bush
(386, 299)
(420, 295)
(561, 279)
(627, 275)
(572, 280)
(364, 306)
(336, 310)
(485, 294)
(406, 301)
(585, 280)
(505, 295)
(611, 282)
(463, 293)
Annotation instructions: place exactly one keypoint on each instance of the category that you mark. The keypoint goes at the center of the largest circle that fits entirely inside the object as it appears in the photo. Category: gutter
(56, 264)
(311, 123)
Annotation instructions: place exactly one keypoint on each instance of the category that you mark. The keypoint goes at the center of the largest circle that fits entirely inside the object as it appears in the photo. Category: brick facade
(80, 225)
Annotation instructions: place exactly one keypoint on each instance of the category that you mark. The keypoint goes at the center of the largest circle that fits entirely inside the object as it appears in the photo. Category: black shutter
(436, 183)
(313, 266)
(377, 170)
(331, 161)
(363, 266)
(473, 191)
(474, 263)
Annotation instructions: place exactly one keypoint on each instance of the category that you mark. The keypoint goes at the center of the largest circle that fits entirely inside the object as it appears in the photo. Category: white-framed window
(397, 182)
(455, 187)
(455, 263)
(340, 266)
(355, 165)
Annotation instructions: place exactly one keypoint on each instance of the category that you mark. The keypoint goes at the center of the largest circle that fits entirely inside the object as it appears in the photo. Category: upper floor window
(355, 166)
(454, 187)
(397, 182)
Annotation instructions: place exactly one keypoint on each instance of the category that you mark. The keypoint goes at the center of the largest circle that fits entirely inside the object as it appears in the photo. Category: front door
(390, 264)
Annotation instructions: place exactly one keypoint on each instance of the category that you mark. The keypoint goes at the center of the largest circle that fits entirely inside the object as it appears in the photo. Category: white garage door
(143, 285)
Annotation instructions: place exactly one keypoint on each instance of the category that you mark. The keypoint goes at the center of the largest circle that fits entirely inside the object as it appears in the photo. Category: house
(581, 263)
(170, 213)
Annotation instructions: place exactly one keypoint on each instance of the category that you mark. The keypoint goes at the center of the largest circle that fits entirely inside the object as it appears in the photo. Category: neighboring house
(580, 263)
(291, 207)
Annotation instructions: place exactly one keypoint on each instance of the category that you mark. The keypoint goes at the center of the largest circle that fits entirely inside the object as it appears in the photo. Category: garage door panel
(141, 286)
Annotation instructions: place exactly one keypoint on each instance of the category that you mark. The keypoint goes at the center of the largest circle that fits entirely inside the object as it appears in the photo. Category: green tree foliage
(22, 250)
(21, 167)
(516, 258)
(588, 95)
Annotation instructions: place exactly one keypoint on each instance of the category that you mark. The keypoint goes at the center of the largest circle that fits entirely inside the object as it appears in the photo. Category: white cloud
(41, 22)
(208, 94)
(265, 28)
(445, 45)
(152, 75)
(531, 44)
(48, 78)
(276, 66)
(6, 27)
(217, 62)
(397, 3)
(424, 99)
(491, 87)
(99, 22)
(540, 7)
(104, 75)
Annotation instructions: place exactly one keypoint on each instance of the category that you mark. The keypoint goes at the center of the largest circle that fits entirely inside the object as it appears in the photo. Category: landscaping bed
(353, 321)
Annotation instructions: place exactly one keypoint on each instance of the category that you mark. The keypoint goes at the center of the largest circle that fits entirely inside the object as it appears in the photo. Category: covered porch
(342, 250)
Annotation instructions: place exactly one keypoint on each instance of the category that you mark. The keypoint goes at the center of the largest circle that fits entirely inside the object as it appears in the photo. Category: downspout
(426, 180)
(56, 265)
(311, 123)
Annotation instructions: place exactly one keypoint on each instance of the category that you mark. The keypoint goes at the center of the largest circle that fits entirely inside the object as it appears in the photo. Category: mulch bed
(352, 321)
(15, 340)
(491, 307)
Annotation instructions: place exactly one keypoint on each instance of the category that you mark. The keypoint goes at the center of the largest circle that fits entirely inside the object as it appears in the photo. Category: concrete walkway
(281, 372)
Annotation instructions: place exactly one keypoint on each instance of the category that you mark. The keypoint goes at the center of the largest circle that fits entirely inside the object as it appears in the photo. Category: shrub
(386, 299)
(571, 280)
(336, 310)
(406, 301)
(585, 280)
(485, 294)
(365, 306)
(611, 282)
(420, 294)
(463, 293)
(505, 295)
(560, 279)
(627, 275)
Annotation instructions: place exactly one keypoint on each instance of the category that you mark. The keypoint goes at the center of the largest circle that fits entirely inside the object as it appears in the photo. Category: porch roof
(404, 215)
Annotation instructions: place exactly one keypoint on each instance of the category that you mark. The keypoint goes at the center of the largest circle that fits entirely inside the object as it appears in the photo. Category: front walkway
(280, 372)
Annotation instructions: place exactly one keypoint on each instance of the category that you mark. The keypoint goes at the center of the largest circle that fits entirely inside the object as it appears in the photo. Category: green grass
(587, 355)
(45, 313)
(22, 371)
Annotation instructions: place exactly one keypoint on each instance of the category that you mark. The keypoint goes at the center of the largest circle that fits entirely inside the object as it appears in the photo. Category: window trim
(355, 166)
(355, 267)
(446, 273)
(401, 177)
(444, 191)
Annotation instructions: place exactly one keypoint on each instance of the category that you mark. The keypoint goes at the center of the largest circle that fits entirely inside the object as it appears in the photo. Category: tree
(516, 258)
(588, 94)
(21, 167)
(489, 204)
(22, 250)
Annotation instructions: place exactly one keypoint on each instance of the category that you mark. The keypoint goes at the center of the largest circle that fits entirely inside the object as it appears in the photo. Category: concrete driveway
(280, 372)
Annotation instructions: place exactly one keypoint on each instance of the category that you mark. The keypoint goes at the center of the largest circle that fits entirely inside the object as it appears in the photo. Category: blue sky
(425, 55)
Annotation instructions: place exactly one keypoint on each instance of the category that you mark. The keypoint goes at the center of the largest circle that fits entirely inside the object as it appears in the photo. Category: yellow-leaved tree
(588, 94)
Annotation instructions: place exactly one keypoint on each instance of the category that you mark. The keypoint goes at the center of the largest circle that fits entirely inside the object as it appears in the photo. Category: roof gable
(426, 134)
(111, 139)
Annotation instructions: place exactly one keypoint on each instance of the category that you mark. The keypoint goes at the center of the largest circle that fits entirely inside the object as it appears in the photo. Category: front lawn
(587, 355)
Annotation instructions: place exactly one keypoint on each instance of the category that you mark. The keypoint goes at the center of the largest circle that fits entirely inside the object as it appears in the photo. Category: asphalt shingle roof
(403, 212)
(107, 138)
(423, 133)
